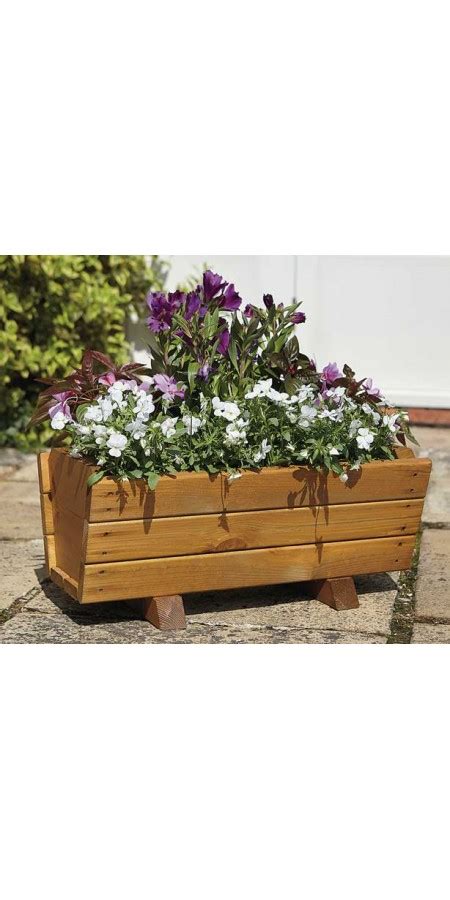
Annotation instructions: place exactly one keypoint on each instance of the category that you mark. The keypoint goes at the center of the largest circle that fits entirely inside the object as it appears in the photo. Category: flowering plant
(226, 390)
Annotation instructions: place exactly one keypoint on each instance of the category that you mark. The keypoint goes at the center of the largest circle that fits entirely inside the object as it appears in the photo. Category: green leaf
(152, 480)
(232, 353)
(95, 477)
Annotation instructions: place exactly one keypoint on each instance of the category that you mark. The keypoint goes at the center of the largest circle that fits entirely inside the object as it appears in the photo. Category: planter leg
(165, 613)
(339, 593)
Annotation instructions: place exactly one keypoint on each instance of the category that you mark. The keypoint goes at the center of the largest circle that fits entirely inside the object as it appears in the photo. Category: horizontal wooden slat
(184, 535)
(184, 574)
(192, 493)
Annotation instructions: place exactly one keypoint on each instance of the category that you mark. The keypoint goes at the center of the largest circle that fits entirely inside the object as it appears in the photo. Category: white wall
(387, 316)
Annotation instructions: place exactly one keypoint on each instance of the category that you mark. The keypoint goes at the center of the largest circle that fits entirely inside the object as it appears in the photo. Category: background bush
(51, 309)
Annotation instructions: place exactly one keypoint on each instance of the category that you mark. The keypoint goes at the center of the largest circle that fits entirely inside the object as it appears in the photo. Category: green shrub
(51, 309)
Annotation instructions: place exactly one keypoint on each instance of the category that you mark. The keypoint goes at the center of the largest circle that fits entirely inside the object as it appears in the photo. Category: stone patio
(392, 609)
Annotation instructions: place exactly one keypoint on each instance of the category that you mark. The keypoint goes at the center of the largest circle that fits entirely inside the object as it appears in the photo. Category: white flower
(370, 411)
(75, 453)
(333, 452)
(334, 414)
(364, 438)
(82, 429)
(233, 476)
(225, 409)
(353, 428)
(263, 451)
(260, 389)
(136, 429)
(234, 435)
(144, 405)
(59, 421)
(191, 424)
(343, 477)
(391, 423)
(307, 415)
(106, 407)
(278, 397)
(93, 414)
(116, 443)
(168, 426)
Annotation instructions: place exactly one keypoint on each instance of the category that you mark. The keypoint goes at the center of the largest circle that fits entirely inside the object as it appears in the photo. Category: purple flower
(204, 371)
(370, 388)
(224, 342)
(162, 309)
(193, 303)
(212, 284)
(62, 405)
(249, 311)
(297, 318)
(268, 301)
(330, 373)
(168, 386)
(230, 299)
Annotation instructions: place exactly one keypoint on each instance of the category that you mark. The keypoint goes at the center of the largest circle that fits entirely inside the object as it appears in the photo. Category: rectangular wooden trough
(195, 532)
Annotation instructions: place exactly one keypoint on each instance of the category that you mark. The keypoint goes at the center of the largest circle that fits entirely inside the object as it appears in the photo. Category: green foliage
(52, 308)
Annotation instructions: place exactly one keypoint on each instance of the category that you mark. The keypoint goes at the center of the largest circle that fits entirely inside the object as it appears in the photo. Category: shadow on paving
(205, 602)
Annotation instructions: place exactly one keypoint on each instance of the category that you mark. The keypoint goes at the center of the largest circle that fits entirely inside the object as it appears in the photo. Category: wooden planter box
(194, 532)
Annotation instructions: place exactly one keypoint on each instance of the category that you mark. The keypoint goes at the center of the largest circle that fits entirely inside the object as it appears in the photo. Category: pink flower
(107, 379)
(62, 405)
(168, 386)
(330, 373)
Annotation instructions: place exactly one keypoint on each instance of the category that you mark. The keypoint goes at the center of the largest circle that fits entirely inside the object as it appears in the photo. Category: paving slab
(284, 606)
(27, 472)
(35, 628)
(21, 569)
(431, 634)
(435, 443)
(20, 517)
(433, 582)
(38, 628)
(253, 616)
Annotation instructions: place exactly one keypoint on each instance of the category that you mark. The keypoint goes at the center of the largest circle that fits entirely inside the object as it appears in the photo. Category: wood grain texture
(184, 535)
(48, 525)
(49, 551)
(195, 493)
(338, 593)
(184, 574)
(44, 472)
(65, 582)
(165, 613)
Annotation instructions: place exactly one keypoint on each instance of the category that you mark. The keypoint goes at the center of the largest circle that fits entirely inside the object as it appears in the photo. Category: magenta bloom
(230, 299)
(109, 378)
(331, 373)
(268, 301)
(224, 342)
(61, 406)
(249, 311)
(370, 388)
(298, 318)
(212, 284)
(168, 387)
